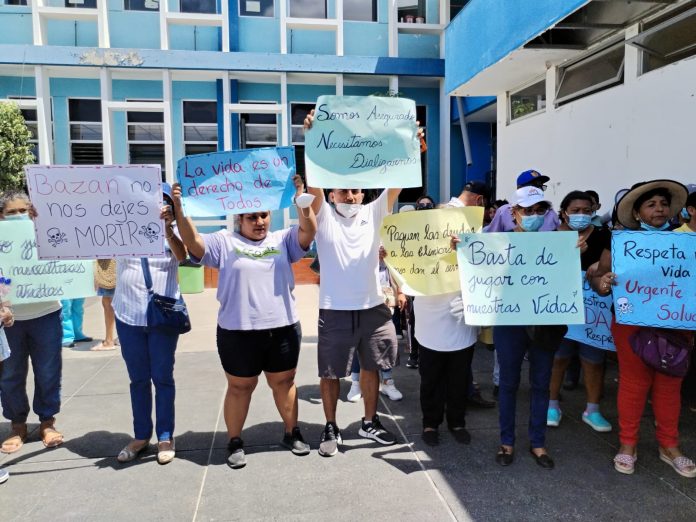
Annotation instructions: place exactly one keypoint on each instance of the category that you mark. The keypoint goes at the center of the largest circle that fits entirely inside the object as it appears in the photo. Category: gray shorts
(343, 332)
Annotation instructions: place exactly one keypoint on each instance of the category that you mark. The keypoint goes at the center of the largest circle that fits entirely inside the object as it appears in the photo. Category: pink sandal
(682, 465)
(625, 463)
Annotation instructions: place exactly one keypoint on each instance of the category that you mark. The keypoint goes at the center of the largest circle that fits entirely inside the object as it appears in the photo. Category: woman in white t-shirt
(258, 328)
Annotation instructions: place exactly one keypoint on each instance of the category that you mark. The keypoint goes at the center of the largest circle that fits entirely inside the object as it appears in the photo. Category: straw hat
(624, 207)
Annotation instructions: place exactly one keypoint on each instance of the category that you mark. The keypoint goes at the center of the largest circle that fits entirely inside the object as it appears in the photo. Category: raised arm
(189, 235)
(316, 192)
(175, 244)
(306, 216)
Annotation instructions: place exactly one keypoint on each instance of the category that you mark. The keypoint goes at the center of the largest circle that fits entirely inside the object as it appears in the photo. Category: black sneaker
(375, 431)
(330, 439)
(412, 363)
(461, 435)
(237, 458)
(295, 443)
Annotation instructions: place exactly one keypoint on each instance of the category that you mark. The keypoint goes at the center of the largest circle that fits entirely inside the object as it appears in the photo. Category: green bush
(15, 149)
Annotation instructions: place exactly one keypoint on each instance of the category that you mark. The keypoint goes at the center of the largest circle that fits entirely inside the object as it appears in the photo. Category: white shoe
(355, 393)
(389, 389)
(4, 475)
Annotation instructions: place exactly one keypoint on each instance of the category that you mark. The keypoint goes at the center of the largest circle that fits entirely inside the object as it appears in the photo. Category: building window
(198, 6)
(81, 3)
(146, 138)
(410, 10)
(32, 122)
(258, 130)
(455, 6)
(410, 195)
(15, 2)
(360, 10)
(256, 7)
(200, 127)
(307, 8)
(528, 100)
(594, 73)
(141, 5)
(667, 42)
(85, 132)
(298, 112)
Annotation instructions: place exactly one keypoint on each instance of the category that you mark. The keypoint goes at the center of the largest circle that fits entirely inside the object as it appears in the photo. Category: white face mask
(348, 210)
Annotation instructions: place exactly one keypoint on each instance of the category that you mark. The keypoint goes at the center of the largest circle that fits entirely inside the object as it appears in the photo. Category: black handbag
(164, 314)
(547, 336)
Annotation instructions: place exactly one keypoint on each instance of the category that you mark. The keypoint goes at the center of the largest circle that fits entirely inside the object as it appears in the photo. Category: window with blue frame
(15, 2)
(360, 10)
(198, 6)
(81, 3)
(85, 131)
(146, 138)
(256, 7)
(307, 8)
(200, 127)
(141, 5)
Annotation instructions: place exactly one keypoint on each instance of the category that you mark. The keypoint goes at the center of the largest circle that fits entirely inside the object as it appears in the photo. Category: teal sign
(363, 142)
(655, 278)
(597, 328)
(33, 280)
(521, 278)
(237, 182)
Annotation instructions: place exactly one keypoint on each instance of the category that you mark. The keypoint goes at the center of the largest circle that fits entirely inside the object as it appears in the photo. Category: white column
(339, 85)
(339, 28)
(164, 28)
(225, 26)
(168, 131)
(392, 31)
(285, 136)
(282, 18)
(445, 181)
(38, 28)
(632, 56)
(227, 123)
(394, 84)
(43, 115)
(107, 125)
(103, 23)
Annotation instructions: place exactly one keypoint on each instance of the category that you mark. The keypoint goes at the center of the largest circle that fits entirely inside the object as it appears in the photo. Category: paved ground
(83, 481)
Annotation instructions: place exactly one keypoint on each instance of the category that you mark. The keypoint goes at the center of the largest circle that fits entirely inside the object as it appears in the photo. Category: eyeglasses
(424, 206)
(530, 211)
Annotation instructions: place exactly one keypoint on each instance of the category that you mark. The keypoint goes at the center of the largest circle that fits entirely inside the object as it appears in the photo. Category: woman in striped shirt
(149, 355)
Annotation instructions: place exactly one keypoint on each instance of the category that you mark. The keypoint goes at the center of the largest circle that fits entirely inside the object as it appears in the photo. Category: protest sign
(418, 247)
(236, 182)
(97, 211)
(363, 142)
(597, 328)
(654, 275)
(33, 280)
(521, 278)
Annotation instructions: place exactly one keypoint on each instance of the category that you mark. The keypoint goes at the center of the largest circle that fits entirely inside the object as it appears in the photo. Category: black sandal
(504, 456)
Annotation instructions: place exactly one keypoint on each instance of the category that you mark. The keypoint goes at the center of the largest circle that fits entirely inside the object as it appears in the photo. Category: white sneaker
(4, 475)
(354, 394)
(389, 389)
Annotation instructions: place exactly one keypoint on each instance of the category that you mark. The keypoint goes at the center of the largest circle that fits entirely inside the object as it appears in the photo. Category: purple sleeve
(213, 250)
(551, 221)
(502, 221)
(291, 238)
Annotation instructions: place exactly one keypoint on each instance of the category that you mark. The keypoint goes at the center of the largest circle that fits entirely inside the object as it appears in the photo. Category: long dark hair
(572, 196)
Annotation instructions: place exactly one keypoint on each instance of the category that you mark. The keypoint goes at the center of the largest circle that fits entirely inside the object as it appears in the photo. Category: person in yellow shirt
(690, 208)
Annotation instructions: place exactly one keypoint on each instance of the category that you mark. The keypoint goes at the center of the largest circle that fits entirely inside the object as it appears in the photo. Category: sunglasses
(424, 206)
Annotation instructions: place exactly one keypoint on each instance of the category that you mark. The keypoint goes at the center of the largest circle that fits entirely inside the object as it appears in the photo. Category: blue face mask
(17, 217)
(685, 214)
(650, 228)
(579, 221)
(532, 223)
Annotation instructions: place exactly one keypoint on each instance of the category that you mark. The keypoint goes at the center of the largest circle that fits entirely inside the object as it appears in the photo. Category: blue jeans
(73, 315)
(149, 358)
(355, 371)
(40, 340)
(511, 343)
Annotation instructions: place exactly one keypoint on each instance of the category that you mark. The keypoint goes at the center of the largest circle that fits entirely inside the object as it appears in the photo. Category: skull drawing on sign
(56, 237)
(151, 231)
(623, 306)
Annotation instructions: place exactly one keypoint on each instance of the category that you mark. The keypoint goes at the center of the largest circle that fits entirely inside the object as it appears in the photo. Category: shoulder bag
(164, 314)
(664, 350)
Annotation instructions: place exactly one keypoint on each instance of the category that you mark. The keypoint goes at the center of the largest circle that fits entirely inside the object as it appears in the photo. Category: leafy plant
(15, 148)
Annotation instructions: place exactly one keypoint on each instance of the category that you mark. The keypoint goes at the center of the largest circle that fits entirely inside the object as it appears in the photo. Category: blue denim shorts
(105, 292)
(586, 352)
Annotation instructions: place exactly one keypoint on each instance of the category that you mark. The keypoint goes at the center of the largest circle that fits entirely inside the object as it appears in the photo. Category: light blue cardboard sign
(34, 280)
(597, 328)
(655, 278)
(237, 182)
(521, 278)
(363, 142)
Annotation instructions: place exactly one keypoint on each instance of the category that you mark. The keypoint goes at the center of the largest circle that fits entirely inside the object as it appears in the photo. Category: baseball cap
(477, 187)
(167, 191)
(529, 196)
(530, 176)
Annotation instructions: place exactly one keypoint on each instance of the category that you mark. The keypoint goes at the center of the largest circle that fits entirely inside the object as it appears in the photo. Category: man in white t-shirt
(353, 318)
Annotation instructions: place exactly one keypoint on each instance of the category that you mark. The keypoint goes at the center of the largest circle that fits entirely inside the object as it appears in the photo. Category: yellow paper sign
(419, 256)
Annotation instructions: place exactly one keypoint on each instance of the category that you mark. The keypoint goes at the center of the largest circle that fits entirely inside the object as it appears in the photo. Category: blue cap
(167, 190)
(530, 176)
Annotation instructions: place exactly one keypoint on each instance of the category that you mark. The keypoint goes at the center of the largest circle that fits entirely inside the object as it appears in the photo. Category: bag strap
(146, 273)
